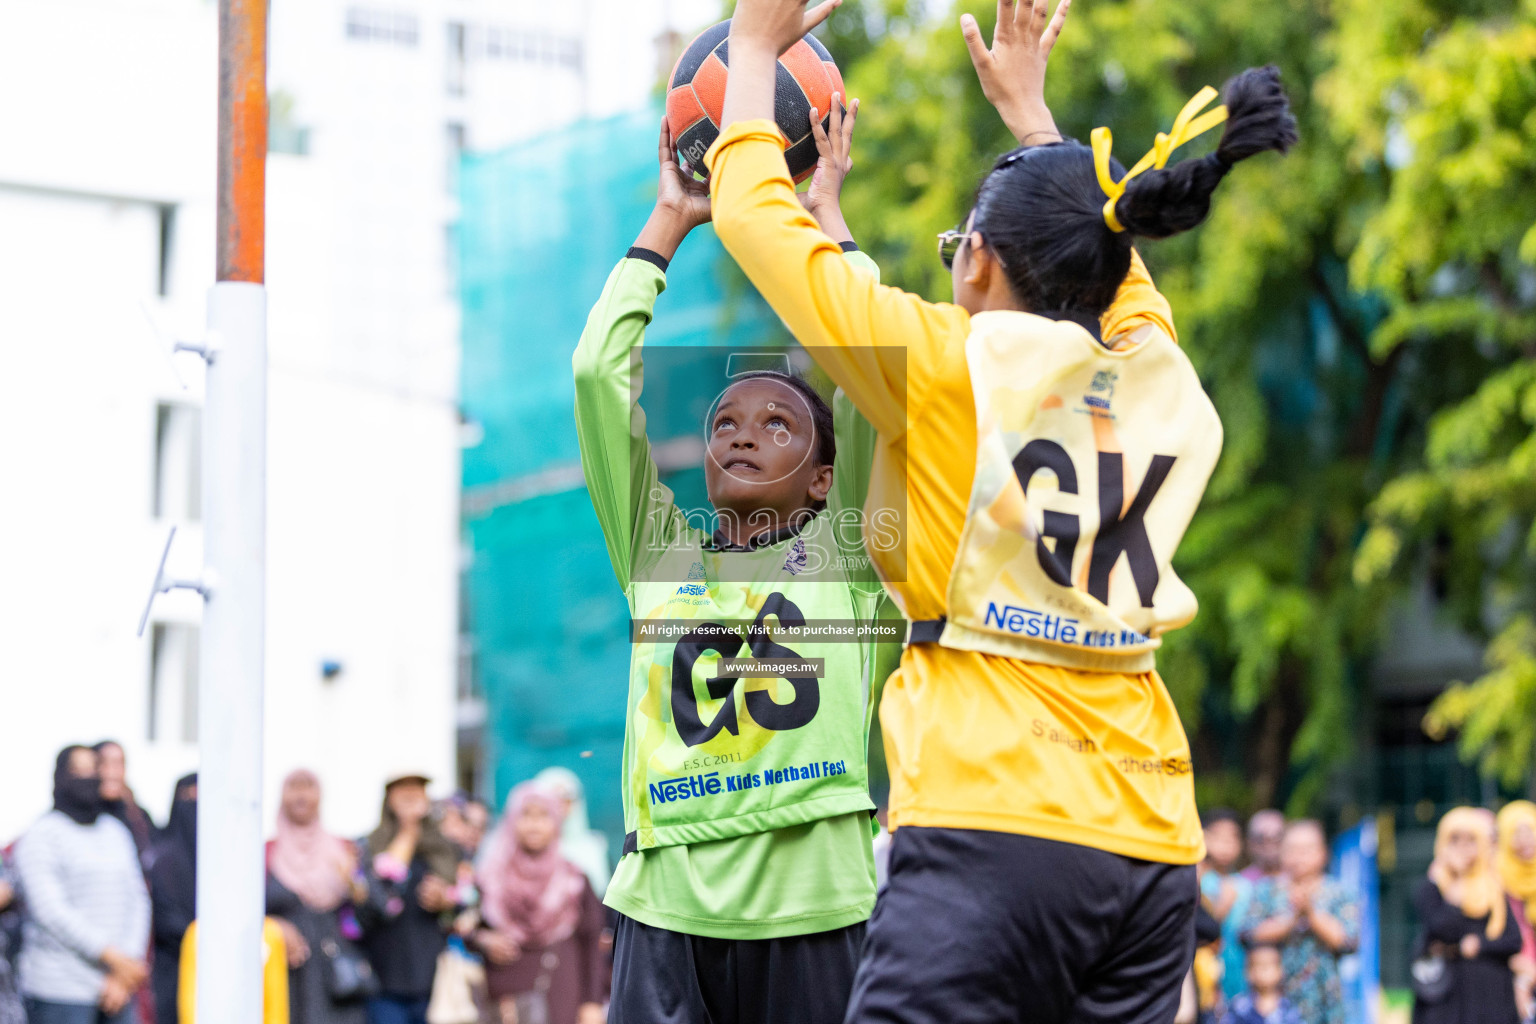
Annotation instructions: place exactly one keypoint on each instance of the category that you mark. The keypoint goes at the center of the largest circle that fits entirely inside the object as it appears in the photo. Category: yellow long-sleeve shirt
(974, 740)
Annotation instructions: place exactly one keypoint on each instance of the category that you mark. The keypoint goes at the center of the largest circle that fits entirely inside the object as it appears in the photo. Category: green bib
(711, 754)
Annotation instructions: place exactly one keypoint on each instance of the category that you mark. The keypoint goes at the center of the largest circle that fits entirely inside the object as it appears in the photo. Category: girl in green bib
(746, 795)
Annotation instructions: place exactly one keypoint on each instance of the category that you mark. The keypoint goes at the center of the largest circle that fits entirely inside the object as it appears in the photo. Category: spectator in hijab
(543, 923)
(1312, 918)
(11, 1011)
(173, 887)
(411, 870)
(310, 890)
(580, 843)
(1265, 830)
(1467, 924)
(87, 909)
(117, 798)
(1517, 871)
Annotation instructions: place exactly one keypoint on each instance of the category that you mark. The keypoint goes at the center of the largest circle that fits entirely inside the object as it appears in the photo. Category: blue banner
(1354, 863)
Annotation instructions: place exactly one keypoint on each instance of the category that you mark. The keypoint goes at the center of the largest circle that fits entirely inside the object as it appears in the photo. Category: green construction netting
(542, 225)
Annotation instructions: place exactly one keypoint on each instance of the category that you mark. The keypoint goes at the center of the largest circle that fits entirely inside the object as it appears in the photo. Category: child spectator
(1262, 1003)
(1227, 892)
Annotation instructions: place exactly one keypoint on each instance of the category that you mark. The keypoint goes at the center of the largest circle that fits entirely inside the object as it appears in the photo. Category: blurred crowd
(437, 916)
(1273, 925)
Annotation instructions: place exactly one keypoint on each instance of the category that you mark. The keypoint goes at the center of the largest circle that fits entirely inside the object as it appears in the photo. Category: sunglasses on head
(949, 246)
(951, 240)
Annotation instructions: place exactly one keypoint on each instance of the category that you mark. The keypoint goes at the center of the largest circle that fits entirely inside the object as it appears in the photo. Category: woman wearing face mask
(1049, 443)
(173, 885)
(544, 924)
(1516, 862)
(1466, 921)
(410, 869)
(1314, 920)
(309, 893)
(88, 911)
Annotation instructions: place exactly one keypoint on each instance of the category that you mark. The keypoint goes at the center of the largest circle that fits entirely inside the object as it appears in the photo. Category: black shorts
(666, 977)
(988, 927)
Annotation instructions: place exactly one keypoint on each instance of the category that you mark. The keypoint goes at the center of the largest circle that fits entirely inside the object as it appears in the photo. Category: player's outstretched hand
(677, 193)
(682, 203)
(834, 149)
(776, 24)
(1012, 72)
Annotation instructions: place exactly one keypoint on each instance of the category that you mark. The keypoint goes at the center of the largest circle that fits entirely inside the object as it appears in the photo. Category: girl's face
(83, 763)
(1461, 852)
(1303, 852)
(761, 464)
(536, 828)
(1224, 844)
(301, 800)
(1523, 840)
(114, 771)
(408, 800)
(1264, 969)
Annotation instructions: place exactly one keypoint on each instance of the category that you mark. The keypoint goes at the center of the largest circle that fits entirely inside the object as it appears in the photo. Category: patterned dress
(1312, 982)
(11, 1011)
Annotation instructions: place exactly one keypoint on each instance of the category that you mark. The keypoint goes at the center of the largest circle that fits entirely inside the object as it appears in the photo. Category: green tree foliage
(1360, 311)
(1451, 247)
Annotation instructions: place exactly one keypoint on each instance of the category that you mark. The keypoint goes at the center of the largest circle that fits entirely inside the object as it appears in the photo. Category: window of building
(167, 240)
(457, 57)
(455, 139)
(178, 462)
(173, 655)
(377, 25)
(502, 43)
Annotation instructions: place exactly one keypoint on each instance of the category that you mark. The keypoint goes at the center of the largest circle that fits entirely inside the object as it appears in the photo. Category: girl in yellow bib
(1056, 443)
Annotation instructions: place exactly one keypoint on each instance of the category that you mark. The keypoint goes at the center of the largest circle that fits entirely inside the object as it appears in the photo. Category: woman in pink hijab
(310, 890)
(543, 925)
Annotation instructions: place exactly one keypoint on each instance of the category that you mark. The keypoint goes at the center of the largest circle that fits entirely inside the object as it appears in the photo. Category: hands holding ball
(807, 95)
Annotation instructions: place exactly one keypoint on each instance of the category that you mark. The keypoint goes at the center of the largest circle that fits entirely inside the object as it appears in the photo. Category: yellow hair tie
(1185, 127)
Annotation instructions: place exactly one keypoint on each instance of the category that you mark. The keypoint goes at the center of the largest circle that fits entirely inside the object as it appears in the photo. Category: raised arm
(1012, 71)
(622, 477)
(872, 340)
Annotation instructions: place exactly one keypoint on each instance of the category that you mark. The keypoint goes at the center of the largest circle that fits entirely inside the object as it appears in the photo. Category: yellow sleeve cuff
(760, 130)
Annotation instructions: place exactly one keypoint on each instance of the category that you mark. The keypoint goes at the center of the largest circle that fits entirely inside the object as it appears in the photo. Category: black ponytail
(1164, 202)
(1041, 208)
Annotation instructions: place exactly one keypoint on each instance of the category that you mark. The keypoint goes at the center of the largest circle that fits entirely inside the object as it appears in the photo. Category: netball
(806, 77)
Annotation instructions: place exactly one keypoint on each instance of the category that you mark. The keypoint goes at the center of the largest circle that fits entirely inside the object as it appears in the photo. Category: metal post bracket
(165, 584)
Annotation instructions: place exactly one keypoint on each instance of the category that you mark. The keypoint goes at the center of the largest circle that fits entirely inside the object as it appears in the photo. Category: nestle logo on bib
(684, 789)
(1030, 623)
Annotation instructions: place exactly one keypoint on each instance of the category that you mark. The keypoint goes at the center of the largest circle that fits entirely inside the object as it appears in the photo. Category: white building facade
(106, 211)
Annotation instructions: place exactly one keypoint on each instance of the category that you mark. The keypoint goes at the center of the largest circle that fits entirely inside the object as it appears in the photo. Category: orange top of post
(242, 216)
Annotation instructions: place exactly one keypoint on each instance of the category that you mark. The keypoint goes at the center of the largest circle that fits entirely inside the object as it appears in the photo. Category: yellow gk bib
(1090, 464)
